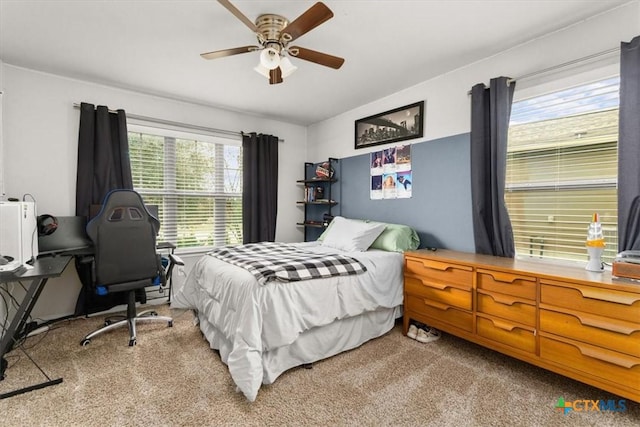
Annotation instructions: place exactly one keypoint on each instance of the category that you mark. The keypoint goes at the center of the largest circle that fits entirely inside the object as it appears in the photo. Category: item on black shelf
(324, 170)
(319, 192)
(326, 219)
(309, 194)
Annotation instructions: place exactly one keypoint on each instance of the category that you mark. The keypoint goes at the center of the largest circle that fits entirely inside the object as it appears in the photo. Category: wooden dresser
(580, 324)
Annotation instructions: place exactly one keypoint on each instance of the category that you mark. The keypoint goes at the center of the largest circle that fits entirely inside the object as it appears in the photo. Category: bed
(263, 327)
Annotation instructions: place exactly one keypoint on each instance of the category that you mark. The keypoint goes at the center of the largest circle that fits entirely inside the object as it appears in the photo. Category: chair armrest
(165, 245)
(175, 259)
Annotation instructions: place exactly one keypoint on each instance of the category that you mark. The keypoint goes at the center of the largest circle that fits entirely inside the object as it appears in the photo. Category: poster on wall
(391, 173)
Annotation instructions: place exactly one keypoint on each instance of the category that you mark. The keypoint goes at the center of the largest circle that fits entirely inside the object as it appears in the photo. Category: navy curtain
(103, 165)
(260, 187)
(103, 156)
(490, 112)
(629, 147)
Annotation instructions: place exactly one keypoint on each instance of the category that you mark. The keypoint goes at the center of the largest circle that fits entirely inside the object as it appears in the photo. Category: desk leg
(3, 367)
(30, 388)
(16, 327)
(15, 331)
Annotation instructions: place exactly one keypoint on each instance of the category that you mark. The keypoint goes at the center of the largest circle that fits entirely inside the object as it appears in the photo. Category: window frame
(547, 88)
(217, 194)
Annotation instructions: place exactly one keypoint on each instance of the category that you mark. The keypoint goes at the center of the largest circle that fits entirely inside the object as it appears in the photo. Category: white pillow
(351, 235)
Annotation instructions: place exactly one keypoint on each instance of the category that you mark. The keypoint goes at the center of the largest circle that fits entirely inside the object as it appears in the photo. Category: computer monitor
(70, 236)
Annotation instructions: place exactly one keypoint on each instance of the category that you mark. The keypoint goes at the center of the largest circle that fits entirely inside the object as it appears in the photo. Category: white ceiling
(154, 46)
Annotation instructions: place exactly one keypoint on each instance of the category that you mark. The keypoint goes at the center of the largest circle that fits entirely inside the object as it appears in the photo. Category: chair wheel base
(130, 322)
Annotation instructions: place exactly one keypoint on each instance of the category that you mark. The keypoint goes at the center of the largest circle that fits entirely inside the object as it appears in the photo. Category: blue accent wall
(440, 206)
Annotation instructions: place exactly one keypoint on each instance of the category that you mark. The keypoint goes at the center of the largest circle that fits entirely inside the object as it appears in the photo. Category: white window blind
(561, 168)
(196, 181)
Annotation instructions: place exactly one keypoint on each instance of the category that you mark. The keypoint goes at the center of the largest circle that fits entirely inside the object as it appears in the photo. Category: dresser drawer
(507, 283)
(593, 361)
(512, 334)
(507, 307)
(453, 316)
(439, 292)
(614, 334)
(601, 301)
(458, 276)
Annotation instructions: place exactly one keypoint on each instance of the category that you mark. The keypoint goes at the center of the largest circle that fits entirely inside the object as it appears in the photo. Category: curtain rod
(563, 65)
(566, 64)
(178, 124)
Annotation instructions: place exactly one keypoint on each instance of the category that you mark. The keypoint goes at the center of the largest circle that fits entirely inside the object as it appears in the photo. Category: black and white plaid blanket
(280, 261)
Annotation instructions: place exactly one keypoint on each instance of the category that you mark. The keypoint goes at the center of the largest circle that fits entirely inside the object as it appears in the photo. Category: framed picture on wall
(400, 124)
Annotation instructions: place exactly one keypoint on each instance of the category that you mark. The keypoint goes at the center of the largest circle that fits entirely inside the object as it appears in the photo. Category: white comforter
(249, 319)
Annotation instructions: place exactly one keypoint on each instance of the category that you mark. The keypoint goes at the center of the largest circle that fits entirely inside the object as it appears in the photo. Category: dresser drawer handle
(440, 286)
(505, 278)
(603, 324)
(502, 325)
(437, 305)
(434, 265)
(604, 295)
(622, 361)
(503, 299)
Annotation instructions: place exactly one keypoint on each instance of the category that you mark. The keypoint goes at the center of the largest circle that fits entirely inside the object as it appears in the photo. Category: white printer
(18, 234)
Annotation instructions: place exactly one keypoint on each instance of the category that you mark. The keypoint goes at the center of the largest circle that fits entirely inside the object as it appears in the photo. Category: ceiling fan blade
(231, 8)
(317, 57)
(275, 76)
(314, 16)
(229, 52)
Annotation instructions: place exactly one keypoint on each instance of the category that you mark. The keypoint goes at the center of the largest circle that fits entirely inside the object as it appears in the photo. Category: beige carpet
(173, 378)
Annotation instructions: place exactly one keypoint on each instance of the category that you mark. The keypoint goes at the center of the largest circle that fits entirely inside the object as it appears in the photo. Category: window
(561, 168)
(196, 181)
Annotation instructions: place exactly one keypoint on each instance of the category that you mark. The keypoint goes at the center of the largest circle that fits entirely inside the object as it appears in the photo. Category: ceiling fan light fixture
(274, 33)
(270, 58)
(264, 71)
(286, 67)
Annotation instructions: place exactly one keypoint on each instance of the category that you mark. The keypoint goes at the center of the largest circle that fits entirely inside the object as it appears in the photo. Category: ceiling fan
(274, 34)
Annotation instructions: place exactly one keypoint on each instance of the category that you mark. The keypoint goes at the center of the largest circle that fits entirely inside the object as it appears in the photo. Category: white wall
(447, 106)
(1, 145)
(40, 134)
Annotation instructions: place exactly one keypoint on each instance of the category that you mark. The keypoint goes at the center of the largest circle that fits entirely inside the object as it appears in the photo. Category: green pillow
(397, 238)
(394, 238)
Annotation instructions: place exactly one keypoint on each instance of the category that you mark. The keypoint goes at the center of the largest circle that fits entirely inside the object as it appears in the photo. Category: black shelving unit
(318, 198)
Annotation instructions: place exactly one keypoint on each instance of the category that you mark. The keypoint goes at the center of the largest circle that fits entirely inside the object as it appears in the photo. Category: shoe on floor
(413, 332)
(427, 335)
